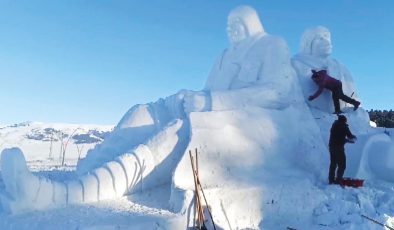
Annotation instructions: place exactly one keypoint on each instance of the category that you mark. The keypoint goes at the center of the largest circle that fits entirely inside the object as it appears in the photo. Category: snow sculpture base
(238, 149)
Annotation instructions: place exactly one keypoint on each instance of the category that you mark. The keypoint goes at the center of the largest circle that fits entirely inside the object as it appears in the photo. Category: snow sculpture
(258, 122)
(147, 165)
(138, 125)
(146, 145)
(254, 69)
(245, 73)
(250, 123)
(315, 51)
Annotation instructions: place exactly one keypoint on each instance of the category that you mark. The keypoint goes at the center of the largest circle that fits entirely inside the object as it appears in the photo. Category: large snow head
(316, 41)
(242, 23)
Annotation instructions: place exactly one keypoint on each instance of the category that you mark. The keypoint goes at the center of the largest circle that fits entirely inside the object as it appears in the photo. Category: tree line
(382, 118)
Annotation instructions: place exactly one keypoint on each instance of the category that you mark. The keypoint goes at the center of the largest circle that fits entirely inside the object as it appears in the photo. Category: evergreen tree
(382, 118)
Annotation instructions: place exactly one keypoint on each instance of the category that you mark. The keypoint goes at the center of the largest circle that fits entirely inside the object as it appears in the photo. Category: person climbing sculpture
(339, 135)
(316, 53)
(325, 81)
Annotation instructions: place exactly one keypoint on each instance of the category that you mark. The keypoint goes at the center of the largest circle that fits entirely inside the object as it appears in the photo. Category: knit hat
(342, 118)
(315, 73)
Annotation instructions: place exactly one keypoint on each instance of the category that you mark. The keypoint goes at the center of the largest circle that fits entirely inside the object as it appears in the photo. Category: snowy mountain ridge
(50, 137)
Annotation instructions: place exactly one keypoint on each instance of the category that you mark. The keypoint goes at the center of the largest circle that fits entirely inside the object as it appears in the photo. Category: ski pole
(199, 197)
(200, 213)
(350, 97)
(205, 199)
(197, 209)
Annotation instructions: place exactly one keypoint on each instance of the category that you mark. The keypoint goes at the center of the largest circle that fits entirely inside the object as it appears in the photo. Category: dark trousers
(337, 163)
(338, 94)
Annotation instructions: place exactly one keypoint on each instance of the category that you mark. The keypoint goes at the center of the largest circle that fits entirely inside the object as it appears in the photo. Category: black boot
(356, 105)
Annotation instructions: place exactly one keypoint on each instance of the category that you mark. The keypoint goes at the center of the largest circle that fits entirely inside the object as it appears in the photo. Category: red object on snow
(355, 183)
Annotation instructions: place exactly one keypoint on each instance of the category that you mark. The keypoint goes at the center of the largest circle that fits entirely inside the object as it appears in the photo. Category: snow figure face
(236, 31)
(242, 23)
(316, 42)
(321, 45)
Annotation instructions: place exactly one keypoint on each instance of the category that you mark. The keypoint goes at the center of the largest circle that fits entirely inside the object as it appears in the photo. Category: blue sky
(90, 61)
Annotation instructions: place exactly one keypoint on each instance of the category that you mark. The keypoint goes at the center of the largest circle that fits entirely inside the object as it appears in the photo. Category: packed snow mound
(378, 158)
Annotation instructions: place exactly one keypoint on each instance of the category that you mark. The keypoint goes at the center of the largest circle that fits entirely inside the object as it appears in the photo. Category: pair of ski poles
(197, 187)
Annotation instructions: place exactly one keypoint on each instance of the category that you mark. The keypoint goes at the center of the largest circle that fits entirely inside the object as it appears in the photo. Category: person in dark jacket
(339, 136)
(325, 81)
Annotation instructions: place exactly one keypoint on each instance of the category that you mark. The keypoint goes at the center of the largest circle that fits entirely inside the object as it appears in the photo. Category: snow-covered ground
(288, 200)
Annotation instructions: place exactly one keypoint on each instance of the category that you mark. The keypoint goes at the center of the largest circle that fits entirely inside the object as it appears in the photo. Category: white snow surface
(262, 153)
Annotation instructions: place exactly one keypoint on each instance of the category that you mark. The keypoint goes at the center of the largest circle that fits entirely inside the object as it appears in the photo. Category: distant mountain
(37, 139)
